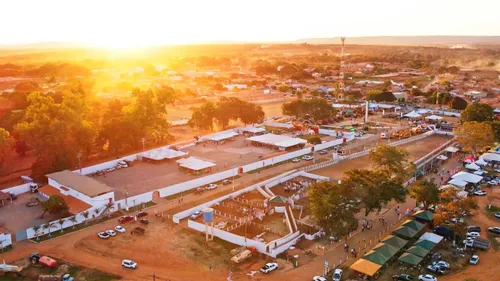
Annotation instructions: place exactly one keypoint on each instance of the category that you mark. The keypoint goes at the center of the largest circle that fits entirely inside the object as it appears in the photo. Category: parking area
(143, 177)
(16, 216)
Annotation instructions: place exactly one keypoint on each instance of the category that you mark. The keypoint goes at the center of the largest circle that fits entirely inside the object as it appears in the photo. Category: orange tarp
(75, 205)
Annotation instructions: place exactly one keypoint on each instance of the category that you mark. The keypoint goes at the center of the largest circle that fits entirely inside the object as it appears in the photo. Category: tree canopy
(382, 96)
(424, 192)
(478, 112)
(333, 207)
(474, 136)
(54, 205)
(374, 188)
(316, 109)
(393, 160)
(458, 103)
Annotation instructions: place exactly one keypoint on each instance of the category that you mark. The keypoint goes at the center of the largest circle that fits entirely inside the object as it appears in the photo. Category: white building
(79, 192)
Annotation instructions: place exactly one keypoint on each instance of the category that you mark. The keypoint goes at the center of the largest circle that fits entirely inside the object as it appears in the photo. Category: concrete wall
(18, 189)
(5, 240)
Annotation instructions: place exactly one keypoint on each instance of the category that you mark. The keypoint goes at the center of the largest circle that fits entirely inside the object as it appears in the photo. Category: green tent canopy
(418, 251)
(395, 241)
(424, 215)
(426, 244)
(414, 224)
(410, 259)
(376, 257)
(405, 232)
(386, 249)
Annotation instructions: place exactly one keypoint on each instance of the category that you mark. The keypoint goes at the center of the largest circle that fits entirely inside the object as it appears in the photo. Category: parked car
(120, 229)
(307, 157)
(497, 215)
(479, 192)
(33, 202)
(474, 228)
(125, 219)
(474, 259)
(436, 269)
(110, 232)
(103, 235)
(129, 264)
(196, 215)
(477, 242)
(296, 160)
(337, 274)
(319, 278)
(402, 277)
(457, 220)
(268, 267)
(427, 277)
(211, 186)
(144, 221)
(142, 214)
(495, 230)
(442, 264)
(224, 182)
(323, 152)
(473, 234)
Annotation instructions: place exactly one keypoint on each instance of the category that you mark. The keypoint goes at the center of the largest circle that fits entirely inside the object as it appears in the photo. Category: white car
(337, 274)
(479, 192)
(474, 259)
(307, 157)
(268, 267)
(319, 278)
(427, 277)
(196, 215)
(492, 182)
(473, 234)
(103, 235)
(296, 160)
(323, 152)
(120, 229)
(110, 232)
(129, 264)
(497, 215)
(443, 264)
(211, 186)
(457, 220)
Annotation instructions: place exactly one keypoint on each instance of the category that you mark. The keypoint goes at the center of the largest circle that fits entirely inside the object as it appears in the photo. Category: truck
(443, 231)
(243, 255)
(478, 242)
(47, 261)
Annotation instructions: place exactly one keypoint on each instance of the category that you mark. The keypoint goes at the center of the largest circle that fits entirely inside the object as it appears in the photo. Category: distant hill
(408, 40)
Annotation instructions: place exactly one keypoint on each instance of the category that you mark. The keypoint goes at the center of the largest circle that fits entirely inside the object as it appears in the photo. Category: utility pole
(143, 144)
(79, 156)
(341, 81)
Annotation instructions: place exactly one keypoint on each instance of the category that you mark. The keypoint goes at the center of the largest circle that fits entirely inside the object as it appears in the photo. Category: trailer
(245, 254)
(477, 242)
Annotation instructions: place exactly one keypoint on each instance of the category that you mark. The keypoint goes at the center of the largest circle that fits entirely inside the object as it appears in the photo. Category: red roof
(75, 205)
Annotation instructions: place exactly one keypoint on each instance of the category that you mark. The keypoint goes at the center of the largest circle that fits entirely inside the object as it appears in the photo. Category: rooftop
(75, 205)
(277, 140)
(195, 164)
(83, 184)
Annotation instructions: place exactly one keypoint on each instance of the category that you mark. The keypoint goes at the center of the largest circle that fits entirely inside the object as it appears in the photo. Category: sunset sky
(140, 23)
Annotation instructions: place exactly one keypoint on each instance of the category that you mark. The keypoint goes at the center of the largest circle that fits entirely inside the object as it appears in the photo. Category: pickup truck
(478, 243)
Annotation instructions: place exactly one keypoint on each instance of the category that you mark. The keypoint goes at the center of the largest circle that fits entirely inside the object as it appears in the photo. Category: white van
(384, 136)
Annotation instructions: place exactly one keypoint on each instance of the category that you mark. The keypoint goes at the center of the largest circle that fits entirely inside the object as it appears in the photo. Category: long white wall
(18, 189)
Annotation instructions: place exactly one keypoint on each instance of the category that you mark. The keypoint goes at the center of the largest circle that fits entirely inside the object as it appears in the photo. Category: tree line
(225, 110)
(315, 109)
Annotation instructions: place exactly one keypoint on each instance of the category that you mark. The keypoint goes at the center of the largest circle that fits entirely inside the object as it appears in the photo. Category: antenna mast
(341, 82)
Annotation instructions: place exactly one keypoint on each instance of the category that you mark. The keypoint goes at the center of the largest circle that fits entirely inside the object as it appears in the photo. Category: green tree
(48, 226)
(314, 140)
(495, 127)
(54, 205)
(424, 192)
(474, 136)
(203, 116)
(86, 215)
(36, 228)
(382, 96)
(479, 112)
(73, 221)
(293, 108)
(61, 222)
(4, 139)
(458, 103)
(393, 160)
(374, 188)
(333, 208)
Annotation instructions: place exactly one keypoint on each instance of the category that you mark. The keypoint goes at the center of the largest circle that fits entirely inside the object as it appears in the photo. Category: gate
(21, 235)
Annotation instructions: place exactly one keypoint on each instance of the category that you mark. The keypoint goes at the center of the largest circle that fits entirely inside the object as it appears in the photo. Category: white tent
(467, 177)
(412, 114)
(458, 183)
(250, 129)
(441, 157)
(219, 136)
(491, 157)
(429, 236)
(194, 163)
(163, 153)
(481, 162)
(473, 166)
(479, 172)
(434, 117)
(277, 140)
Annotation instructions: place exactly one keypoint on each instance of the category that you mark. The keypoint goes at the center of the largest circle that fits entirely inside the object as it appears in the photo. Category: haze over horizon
(124, 24)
